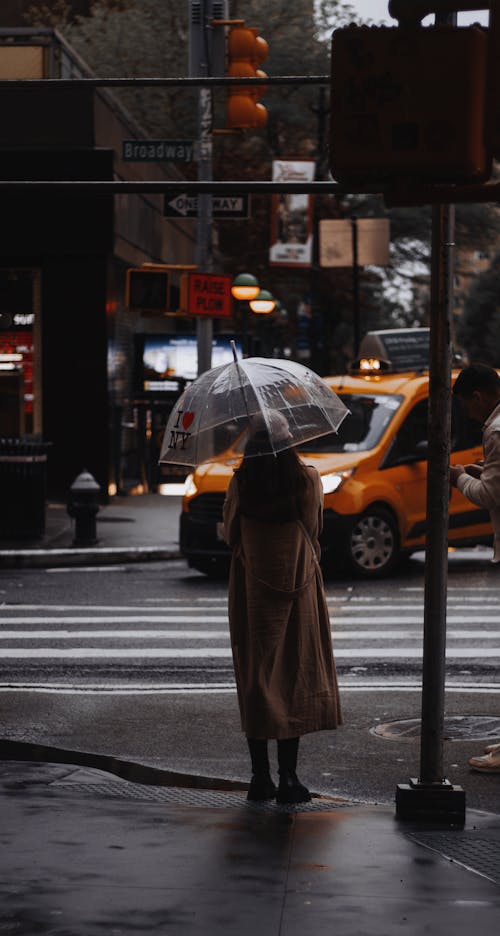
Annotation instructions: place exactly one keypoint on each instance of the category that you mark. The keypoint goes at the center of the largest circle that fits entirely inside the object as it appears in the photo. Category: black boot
(261, 784)
(290, 789)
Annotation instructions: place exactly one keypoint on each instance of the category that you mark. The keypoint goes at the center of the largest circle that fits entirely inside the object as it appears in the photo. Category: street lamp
(245, 287)
(263, 303)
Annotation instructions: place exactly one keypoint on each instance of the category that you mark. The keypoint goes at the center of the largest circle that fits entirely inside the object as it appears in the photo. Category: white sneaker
(492, 749)
(489, 763)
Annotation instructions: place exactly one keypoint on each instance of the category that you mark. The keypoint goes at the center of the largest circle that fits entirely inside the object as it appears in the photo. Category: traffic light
(409, 103)
(5, 320)
(148, 290)
(246, 50)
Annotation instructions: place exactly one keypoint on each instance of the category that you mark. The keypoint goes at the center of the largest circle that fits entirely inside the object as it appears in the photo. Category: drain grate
(475, 851)
(179, 796)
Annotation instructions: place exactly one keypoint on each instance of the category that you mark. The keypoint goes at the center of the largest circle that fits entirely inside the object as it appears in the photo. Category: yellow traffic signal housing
(246, 50)
(409, 102)
(148, 290)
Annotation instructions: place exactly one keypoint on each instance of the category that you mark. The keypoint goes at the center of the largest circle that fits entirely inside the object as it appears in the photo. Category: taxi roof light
(370, 365)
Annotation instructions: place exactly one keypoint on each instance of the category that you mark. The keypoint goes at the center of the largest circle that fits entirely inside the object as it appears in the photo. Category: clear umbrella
(280, 400)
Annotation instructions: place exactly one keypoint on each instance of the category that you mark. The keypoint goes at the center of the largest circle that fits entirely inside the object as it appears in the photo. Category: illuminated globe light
(245, 286)
(264, 303)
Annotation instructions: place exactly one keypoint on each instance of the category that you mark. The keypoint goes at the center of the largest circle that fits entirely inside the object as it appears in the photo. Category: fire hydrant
(83, 507)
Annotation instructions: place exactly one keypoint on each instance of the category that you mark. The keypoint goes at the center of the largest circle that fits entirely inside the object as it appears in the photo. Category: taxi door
(405, 468)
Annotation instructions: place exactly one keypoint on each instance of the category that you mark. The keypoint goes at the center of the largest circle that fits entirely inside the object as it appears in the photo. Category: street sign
(223, 207)
(209, 294)
(336, 242)
(158, 150)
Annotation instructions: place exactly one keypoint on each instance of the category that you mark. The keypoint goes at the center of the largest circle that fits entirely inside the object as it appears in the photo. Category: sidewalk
(90, 847)
(85, 852)
(129, 529)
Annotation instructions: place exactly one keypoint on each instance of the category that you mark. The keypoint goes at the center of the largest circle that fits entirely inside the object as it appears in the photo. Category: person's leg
(261, 784)
(290, 789)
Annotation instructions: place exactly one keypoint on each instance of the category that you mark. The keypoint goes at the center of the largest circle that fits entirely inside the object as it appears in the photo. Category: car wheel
(213, 568)
(373, 544)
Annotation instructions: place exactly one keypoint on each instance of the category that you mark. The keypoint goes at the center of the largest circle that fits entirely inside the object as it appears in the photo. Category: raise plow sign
(209, 294)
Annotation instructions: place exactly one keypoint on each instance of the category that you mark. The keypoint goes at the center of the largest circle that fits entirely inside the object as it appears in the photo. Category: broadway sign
(158, 151)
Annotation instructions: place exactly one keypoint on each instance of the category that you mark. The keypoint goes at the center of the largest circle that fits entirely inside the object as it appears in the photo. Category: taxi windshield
(370, 414)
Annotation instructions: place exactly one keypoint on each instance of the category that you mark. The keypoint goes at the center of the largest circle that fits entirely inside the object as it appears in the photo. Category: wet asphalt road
(134, 661)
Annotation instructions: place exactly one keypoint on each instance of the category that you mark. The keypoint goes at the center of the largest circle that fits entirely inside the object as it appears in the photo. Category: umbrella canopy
(280, 400)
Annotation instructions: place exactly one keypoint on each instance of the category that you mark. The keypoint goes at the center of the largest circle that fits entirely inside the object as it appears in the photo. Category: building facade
(73, 344)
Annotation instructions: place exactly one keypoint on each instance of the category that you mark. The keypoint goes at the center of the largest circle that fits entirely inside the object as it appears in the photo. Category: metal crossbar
(197, 82)
(169, 185)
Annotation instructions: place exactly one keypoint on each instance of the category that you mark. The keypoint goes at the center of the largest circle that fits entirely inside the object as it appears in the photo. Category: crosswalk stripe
(120, 619)
(223, 652)
(342, 620)
(167, 634)
(346, 684)
(352, 605)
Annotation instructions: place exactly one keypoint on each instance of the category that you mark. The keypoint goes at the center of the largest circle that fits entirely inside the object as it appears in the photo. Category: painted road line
(229, 689)
(118, 619)
(346, 607)
(152, 653)
(344, 619)
(167, 634)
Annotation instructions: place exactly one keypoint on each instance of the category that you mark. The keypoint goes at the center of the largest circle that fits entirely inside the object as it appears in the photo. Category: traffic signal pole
(431, 796)
(199, 66)
(204, 325)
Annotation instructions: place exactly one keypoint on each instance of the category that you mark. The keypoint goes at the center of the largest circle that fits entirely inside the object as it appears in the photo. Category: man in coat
(478, 389)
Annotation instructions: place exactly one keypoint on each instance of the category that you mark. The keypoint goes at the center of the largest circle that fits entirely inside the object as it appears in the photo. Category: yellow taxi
(374, 473)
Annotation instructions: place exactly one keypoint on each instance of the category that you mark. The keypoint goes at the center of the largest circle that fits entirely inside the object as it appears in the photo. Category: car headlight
(332, 482)
(190, 488)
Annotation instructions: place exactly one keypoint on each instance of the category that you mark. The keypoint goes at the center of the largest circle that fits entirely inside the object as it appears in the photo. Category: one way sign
(223, 207)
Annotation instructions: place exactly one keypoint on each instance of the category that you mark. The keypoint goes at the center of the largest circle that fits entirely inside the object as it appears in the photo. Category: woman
(280, 629)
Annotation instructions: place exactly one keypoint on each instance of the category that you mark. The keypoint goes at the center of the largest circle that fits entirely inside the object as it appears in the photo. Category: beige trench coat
(279, 623)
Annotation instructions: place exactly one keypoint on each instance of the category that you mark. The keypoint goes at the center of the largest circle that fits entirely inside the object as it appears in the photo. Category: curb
(134, 771)
(52, 558)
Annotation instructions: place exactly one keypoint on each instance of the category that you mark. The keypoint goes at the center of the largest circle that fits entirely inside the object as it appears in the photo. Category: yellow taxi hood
(329, 462)
(214, 476)
(399, 383)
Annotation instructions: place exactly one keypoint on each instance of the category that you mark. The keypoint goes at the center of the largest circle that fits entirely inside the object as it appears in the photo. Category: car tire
(212, 568)
(372, 544)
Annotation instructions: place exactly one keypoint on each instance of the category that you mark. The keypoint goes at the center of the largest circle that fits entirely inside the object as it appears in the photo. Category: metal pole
(438, 489)
(199, 65)
(432, 796)
(436, 562)
(204, 326)
(244, 313)
(355, 287)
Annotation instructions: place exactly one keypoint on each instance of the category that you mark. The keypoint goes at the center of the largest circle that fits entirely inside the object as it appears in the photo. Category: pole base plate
(440, 803)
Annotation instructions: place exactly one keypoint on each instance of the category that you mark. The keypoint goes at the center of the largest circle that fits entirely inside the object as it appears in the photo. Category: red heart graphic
(187, 419)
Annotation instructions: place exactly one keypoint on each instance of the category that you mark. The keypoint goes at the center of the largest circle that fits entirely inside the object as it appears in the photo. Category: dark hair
(477, 377)
(272, 487)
